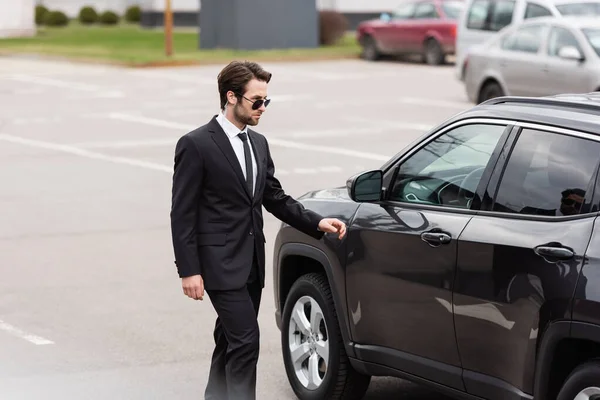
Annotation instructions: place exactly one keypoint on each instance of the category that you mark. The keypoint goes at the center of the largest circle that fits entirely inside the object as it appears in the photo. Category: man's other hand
(333, 225)
(193, 287)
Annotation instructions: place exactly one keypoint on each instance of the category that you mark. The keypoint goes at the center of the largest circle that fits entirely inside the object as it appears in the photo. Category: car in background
(471, 263)
(425, 27)
(482, 19)
(540, 57)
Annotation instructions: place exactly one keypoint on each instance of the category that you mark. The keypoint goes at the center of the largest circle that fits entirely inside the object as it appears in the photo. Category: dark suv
(469, 264)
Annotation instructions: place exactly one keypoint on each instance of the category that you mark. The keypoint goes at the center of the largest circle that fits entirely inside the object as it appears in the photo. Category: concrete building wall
(17, 18)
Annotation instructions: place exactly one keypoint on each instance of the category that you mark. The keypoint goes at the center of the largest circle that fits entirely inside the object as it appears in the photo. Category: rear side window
(426, 11)
(490, 15)
(405, 11)
(527, 39)
(535, 11)
(547, 174)
(585, 9)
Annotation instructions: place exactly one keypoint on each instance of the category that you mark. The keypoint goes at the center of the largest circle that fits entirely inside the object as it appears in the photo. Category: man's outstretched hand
(193, 287)
(333, 225)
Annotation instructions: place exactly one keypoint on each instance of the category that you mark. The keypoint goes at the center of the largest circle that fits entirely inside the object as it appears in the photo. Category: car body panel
(386, 252)
(534, 74)
(506, 308)
(505, 293)
(408, 36)
(468, 38)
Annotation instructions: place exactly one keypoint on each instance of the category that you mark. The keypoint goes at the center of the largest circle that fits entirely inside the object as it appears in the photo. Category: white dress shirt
(232, 132)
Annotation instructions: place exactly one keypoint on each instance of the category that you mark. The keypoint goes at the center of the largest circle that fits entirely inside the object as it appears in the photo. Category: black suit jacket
(216, 223)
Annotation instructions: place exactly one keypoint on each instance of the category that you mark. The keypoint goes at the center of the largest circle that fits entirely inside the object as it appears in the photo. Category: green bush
(109, 18)
(40, 14)
(332, 27)
(88, 15)
(56, 18)
(133, 14)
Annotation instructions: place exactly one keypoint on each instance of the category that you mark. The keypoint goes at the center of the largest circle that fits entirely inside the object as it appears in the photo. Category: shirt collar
(230, 129)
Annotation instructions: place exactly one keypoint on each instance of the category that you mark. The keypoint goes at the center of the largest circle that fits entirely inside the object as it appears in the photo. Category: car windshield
(452, 9)
(593, 37)
(585, 8)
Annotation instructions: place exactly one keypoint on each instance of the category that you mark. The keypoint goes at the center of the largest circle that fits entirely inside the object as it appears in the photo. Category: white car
(540, 57)
(482, 19)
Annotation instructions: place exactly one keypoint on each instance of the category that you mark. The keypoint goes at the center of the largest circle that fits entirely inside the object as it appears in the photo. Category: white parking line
(272, 141)
(85, 153)
(97, 91)
(12, 330)
(70, 149)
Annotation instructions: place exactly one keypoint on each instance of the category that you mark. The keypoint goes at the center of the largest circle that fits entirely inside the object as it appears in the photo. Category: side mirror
(570, 53)
(366, 187)
(385, 17)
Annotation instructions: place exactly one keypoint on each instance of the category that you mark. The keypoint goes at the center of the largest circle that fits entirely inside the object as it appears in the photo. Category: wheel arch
(490, 79)
(297, 259)
(556, 358)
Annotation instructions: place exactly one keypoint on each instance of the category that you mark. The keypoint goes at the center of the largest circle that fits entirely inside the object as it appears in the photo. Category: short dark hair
(236, 75)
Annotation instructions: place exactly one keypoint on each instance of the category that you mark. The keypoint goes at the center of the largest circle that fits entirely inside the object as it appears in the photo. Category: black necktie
(249, 172)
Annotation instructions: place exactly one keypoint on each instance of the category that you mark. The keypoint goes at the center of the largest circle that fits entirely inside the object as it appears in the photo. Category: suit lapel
(221, 139)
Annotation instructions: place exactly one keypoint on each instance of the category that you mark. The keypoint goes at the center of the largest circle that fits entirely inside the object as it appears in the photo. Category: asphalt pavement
(90, 303)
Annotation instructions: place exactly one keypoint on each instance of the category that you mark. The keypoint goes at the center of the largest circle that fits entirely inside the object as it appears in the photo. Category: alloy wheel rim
(589, 393)
(308, 343)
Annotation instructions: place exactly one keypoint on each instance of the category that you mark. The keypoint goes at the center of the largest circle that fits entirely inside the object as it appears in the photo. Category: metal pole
(168, 28)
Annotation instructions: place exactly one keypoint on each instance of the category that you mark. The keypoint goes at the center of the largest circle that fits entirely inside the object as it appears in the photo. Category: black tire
(583, 377)
(433, 53)
(489, 91)
(340, 380)
(370, 52)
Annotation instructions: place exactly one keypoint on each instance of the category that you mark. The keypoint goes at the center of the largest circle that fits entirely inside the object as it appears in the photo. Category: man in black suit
(223, 175)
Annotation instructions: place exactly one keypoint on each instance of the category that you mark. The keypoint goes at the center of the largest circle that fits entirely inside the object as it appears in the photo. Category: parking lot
(90, 303)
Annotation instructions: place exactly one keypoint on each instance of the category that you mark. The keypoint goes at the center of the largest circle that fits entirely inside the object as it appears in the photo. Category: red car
(425, 27)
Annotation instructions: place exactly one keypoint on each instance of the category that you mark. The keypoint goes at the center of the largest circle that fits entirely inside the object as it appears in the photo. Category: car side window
(559, 38)
(502, 14)
(488, 15)
(405, 11)
(478, 14)
(535, 10)
(426, 11)
(527, 39)
(547, 174)
(447, 171)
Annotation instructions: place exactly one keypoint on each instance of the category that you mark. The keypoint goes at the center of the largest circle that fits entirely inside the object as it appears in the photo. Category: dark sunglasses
(258, 103)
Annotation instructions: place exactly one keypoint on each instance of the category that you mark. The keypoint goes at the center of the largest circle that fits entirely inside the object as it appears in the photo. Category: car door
(519, 258)
(426, 18)
(393, 34)
(564, 75)
(402, 252)
(521, 62)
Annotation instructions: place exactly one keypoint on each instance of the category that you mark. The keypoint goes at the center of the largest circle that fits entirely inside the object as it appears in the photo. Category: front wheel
(490, 91)
(433, 53)
(315, 360)
(370, 52)
(583, 383)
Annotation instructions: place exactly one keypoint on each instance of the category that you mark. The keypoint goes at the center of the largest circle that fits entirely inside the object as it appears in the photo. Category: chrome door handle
(554, 252)
(436, 238)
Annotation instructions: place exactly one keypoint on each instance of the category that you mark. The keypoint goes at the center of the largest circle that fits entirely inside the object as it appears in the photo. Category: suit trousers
(234, 361)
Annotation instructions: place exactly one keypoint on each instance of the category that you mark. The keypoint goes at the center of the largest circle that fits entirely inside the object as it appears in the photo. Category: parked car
(482, 19)
(540, 57)
(424, 27)
(471, 263)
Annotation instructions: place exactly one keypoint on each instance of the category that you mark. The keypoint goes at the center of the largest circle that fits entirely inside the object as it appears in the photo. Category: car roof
(571, 111)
